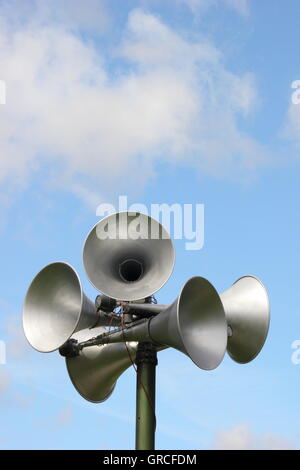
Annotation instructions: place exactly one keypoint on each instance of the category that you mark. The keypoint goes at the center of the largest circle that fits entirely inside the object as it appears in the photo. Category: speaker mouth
(52, 307)
(202, 323)
(124, 249)
(247, 308)
(95, 372)
(79, 387)
(81, 369)
(131, 270)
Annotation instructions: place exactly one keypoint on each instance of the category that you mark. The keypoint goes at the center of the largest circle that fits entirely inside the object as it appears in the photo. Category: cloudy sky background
(185, 101)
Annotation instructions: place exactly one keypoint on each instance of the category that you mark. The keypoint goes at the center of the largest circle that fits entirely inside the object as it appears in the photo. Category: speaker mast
(128, 257)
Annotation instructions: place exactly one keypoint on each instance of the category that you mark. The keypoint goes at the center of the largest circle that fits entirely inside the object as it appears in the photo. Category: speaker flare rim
(267, 323)
(67, 361)
(192, 353)
(65, 264)
(149, 292)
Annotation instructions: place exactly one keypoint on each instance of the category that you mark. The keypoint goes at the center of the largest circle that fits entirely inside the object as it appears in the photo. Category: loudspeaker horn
(95, 371)
(247, 310)
(128, 256)
(195, 324)
(55, 307)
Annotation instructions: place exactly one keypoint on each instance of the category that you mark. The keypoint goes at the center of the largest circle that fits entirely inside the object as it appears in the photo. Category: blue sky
(185, 101)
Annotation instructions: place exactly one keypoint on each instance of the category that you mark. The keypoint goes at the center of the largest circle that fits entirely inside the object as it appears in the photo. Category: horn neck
(194, 324)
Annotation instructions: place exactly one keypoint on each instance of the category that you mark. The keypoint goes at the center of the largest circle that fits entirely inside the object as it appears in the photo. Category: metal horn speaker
(95, 371)
(55, 307)
(128, 256)
(247, 311)
(195, 324)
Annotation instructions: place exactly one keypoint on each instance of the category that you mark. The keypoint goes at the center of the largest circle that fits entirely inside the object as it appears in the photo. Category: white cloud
(68, 112)
(76, 15)
(242, 438)
(240, 6)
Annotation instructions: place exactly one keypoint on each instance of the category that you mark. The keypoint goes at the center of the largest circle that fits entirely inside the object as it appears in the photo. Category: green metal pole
(146, 361)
